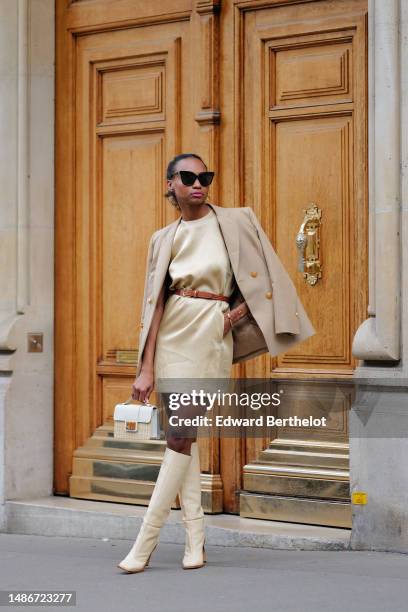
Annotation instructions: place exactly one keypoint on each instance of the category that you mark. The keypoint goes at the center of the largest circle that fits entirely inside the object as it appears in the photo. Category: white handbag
(136, 421)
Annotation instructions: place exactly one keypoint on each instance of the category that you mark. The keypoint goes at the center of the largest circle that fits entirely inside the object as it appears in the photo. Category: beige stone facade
(378, 460)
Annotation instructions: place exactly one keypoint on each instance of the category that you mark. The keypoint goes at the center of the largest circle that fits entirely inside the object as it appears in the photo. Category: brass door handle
(308, 245)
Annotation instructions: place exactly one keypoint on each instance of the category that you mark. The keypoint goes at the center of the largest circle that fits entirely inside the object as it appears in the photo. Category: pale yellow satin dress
(190, 341)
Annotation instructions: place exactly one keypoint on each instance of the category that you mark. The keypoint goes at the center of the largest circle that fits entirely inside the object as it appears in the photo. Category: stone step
(66, 516)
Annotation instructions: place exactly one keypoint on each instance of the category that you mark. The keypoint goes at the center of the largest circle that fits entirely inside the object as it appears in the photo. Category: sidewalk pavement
(233, 579)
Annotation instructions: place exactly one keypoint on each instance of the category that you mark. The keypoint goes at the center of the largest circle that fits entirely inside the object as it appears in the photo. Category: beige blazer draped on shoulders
(279, 319)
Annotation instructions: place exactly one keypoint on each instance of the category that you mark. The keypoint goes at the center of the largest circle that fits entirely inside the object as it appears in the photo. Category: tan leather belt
(200, 294)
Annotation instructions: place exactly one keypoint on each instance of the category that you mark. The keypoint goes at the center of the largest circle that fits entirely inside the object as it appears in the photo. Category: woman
(190, 335)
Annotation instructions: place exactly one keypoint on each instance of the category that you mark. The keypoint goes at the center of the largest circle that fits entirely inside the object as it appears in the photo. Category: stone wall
(26, 247)
(378, 424)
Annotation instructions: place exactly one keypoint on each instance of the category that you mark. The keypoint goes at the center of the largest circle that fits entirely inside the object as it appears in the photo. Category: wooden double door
(272, 95)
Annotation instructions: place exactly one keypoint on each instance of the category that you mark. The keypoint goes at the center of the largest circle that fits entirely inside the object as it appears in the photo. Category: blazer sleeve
(149, 257)
(142, 332)
(285, 298)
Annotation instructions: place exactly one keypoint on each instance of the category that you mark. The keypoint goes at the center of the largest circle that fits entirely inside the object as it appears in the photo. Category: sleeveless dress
(190, 341)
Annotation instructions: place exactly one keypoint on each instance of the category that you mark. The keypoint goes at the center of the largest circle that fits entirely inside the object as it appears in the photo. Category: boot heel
(147, 562)
(204, 555)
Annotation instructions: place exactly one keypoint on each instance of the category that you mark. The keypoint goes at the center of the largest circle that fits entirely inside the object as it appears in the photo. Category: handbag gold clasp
(131, 425)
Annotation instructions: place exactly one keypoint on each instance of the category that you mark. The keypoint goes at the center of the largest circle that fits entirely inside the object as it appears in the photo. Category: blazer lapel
(230, 232)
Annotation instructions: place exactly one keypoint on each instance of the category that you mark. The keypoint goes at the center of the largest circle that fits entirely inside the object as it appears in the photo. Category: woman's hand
(242, 310)
(143, 386)
(227, 324)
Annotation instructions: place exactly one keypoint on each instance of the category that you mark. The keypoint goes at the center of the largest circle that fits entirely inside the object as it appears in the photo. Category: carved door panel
(304, 152)
(127, 102)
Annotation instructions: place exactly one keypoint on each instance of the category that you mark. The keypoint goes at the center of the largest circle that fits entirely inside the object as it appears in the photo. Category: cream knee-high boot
(193, 514)
(171, 475)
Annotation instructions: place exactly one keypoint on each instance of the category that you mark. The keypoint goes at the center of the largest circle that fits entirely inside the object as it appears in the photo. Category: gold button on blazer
(277, 323)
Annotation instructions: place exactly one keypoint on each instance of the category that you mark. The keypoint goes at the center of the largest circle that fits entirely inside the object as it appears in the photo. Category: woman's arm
(234, 315)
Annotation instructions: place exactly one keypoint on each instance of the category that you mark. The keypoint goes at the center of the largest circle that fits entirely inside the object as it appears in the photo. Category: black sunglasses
(188, 178)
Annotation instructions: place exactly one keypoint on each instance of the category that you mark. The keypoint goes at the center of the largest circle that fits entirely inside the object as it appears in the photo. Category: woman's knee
(180, 445)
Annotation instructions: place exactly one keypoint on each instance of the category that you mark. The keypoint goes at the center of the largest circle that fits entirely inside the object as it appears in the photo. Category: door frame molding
(378, 337)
